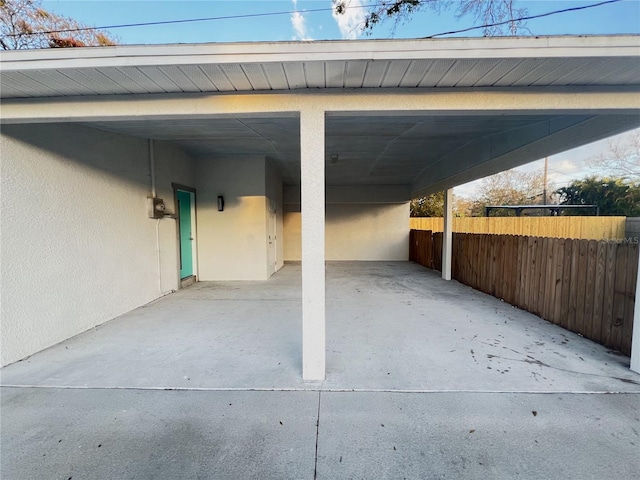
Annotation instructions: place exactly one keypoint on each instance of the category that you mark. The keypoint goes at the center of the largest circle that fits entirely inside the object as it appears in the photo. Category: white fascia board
(282, 52)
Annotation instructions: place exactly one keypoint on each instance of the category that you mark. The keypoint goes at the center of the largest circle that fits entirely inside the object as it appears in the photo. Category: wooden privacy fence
(590, 228)
(585, 286)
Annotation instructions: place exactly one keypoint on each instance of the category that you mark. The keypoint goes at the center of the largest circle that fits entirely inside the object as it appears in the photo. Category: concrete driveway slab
(177, 342)
(395, 326)
(134, 434)
(472, 436)
(390, 326)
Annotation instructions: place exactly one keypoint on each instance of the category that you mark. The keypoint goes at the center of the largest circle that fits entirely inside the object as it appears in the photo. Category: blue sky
(616, 18)
(621, 17)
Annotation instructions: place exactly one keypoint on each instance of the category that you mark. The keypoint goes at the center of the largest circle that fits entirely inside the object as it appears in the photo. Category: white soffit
(603, 61)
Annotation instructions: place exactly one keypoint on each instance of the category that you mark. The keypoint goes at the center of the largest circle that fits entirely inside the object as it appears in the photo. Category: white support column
(635, 340)
(447, 238)
(313, 264)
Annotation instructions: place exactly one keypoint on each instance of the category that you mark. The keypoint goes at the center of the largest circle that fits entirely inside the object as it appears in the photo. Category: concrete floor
(425, 379)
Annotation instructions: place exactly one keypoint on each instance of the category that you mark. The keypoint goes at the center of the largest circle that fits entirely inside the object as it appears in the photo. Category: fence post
(635, 338)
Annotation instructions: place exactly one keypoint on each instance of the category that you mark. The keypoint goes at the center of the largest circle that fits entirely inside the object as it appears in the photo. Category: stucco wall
(232, 243)
(274, 193)
(77, 248)
(361, 223)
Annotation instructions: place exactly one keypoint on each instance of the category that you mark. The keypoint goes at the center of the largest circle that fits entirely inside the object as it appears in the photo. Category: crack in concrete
(315, 467)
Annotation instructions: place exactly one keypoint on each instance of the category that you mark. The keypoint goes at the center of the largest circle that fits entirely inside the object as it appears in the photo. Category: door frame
(194, 233)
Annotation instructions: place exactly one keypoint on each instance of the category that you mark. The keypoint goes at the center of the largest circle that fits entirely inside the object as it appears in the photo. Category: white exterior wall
(356, 228)
(274, 193)
(77, 246)
(232, 243)
(368, 232)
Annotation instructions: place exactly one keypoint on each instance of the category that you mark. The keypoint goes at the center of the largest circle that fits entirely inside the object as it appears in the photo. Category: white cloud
(299, 24)
(565, 166)
(350, 22)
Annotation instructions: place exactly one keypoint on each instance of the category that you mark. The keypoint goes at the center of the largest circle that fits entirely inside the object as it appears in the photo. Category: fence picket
(592, 247)
(549, 287)
(598, 291)
(629, 298)
(618, 295)
(506, 261)
(518, 285)
(582, 285)
(518, 291)
(609, 288)
(557, 281)
(535, 275)
(493, 266)
(482, 271)
(528, 271)
(566, 283)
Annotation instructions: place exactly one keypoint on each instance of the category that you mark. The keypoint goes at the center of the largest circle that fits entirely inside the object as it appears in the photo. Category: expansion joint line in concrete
(326, 390)
(315, 465)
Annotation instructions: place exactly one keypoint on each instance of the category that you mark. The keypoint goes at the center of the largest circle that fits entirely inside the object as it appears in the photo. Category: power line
(529, 17)
(314, 10)
(189, 20)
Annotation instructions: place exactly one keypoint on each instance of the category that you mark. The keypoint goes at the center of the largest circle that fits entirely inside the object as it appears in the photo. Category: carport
(323, 134)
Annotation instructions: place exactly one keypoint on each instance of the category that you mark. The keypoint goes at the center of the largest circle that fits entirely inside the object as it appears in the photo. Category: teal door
(184, 220)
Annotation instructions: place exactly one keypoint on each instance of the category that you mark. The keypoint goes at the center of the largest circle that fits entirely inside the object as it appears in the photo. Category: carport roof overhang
(425, 113)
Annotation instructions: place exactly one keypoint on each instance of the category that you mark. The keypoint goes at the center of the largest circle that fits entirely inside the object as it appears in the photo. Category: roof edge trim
(370, 50)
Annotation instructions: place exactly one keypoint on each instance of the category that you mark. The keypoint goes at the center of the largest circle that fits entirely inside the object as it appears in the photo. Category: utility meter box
(155, 207)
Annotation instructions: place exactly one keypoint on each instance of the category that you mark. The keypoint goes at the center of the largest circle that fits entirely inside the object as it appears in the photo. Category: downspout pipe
(152, 169)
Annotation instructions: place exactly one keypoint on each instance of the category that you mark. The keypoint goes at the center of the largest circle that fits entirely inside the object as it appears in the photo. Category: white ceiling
(372, 149)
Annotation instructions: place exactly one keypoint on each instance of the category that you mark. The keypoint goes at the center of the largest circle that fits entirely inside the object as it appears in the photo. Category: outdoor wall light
(220, 203)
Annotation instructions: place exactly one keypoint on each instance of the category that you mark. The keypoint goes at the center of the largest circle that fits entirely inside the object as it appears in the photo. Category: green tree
(484, 12)
(433, 206)
(429, 206)
(613, 196)
(24, 24)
